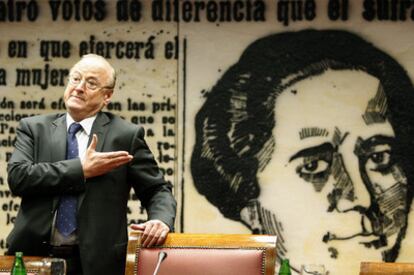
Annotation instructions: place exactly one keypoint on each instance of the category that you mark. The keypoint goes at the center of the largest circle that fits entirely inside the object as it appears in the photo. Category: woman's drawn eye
(313, 164)
(376, 153)
(314, 170)
(379, 161)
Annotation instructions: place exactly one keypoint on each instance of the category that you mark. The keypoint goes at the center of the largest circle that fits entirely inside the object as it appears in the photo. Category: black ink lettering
(17, 49)
(167, 172)
(404, 6)
(78, 10)
(33, 104)
(297, 10)
(150, 132)
(157, 11)
(129, 10)
(100, 12)
(8, 156)
(54, 8)
(338, 9)
(135, 106)
(387, 10)
(198, 6)
(54, 48)
(87, 11)
(3, 75)
(32, 10)
(310, 10)
(114, 106)
(6, 104)
(167, 132)
(142, 119)
(41, 77)
(172, 49)
(67, 10)
(119, 49)
(58, 105)
(16, 10)
(162, 106)
(168, 120)
(369, 10)
(8, 141)
(149, 51)
(3, 128)
(212, 11)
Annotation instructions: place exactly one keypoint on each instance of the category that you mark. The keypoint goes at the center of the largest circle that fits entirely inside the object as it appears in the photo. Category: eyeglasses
(91, 83)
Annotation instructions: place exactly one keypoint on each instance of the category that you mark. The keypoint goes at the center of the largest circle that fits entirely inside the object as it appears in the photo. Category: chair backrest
(380, 268)
(206, 254)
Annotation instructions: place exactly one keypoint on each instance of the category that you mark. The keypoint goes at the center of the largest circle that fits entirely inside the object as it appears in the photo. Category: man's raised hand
(98, 163)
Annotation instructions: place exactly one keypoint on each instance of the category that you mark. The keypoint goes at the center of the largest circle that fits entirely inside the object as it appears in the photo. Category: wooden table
(379, 268)
(32, 264)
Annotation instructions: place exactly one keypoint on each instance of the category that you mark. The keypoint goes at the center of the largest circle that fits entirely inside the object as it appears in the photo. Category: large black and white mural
(309, 137)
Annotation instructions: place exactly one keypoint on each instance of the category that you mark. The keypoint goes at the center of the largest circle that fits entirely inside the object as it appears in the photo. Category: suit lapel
(58, 146)
(99, 128)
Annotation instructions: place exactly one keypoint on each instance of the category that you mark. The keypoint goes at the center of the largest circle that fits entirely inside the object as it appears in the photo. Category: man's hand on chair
(154, 232)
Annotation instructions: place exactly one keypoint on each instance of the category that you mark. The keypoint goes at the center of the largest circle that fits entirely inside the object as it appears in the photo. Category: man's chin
(74, 110)
(74, 105)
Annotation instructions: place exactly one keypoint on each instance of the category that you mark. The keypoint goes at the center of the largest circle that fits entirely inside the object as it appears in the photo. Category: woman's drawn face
(333, 182)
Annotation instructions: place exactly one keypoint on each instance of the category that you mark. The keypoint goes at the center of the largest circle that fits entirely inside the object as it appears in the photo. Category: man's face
(90, 95)
(333, 183)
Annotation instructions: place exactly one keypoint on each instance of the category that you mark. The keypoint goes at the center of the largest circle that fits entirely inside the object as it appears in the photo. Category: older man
(74, 195)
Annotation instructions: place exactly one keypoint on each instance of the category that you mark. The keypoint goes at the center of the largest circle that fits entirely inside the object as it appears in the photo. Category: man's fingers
(137, 226)
(112, 159)
(118, 160)
(114, 163)
(154, 232)
(114, 154)
(145, 236)
(97, 163)
(152, 236)
(162, 237)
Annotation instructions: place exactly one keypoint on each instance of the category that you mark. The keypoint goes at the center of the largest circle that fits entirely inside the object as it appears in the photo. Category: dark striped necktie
(66, 215)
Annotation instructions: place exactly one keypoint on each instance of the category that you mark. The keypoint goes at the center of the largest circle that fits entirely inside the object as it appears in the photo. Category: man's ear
(108, 96)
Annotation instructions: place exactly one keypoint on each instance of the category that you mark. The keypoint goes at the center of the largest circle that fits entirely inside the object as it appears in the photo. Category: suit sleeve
(28, 178)
(148, 182)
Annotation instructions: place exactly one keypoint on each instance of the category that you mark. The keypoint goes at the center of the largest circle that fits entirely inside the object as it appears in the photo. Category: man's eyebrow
(313, 132)
(312, 151)
(78, 72)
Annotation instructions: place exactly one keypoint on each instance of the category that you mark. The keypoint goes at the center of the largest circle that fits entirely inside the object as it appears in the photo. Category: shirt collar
(86, 124)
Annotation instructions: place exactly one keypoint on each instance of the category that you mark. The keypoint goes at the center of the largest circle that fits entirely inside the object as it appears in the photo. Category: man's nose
(356, 195)
(80, 87)
(81, 84)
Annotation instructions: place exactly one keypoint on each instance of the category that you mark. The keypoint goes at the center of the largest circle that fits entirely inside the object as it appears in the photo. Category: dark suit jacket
(39, 174)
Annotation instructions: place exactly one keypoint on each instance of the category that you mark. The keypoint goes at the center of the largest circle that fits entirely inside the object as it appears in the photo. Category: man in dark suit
(74, 172)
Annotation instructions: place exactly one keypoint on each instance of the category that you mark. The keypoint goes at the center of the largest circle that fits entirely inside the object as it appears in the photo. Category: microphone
(161, 257)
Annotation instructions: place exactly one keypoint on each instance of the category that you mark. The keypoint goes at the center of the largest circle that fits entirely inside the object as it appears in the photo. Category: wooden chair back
(204, 254)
